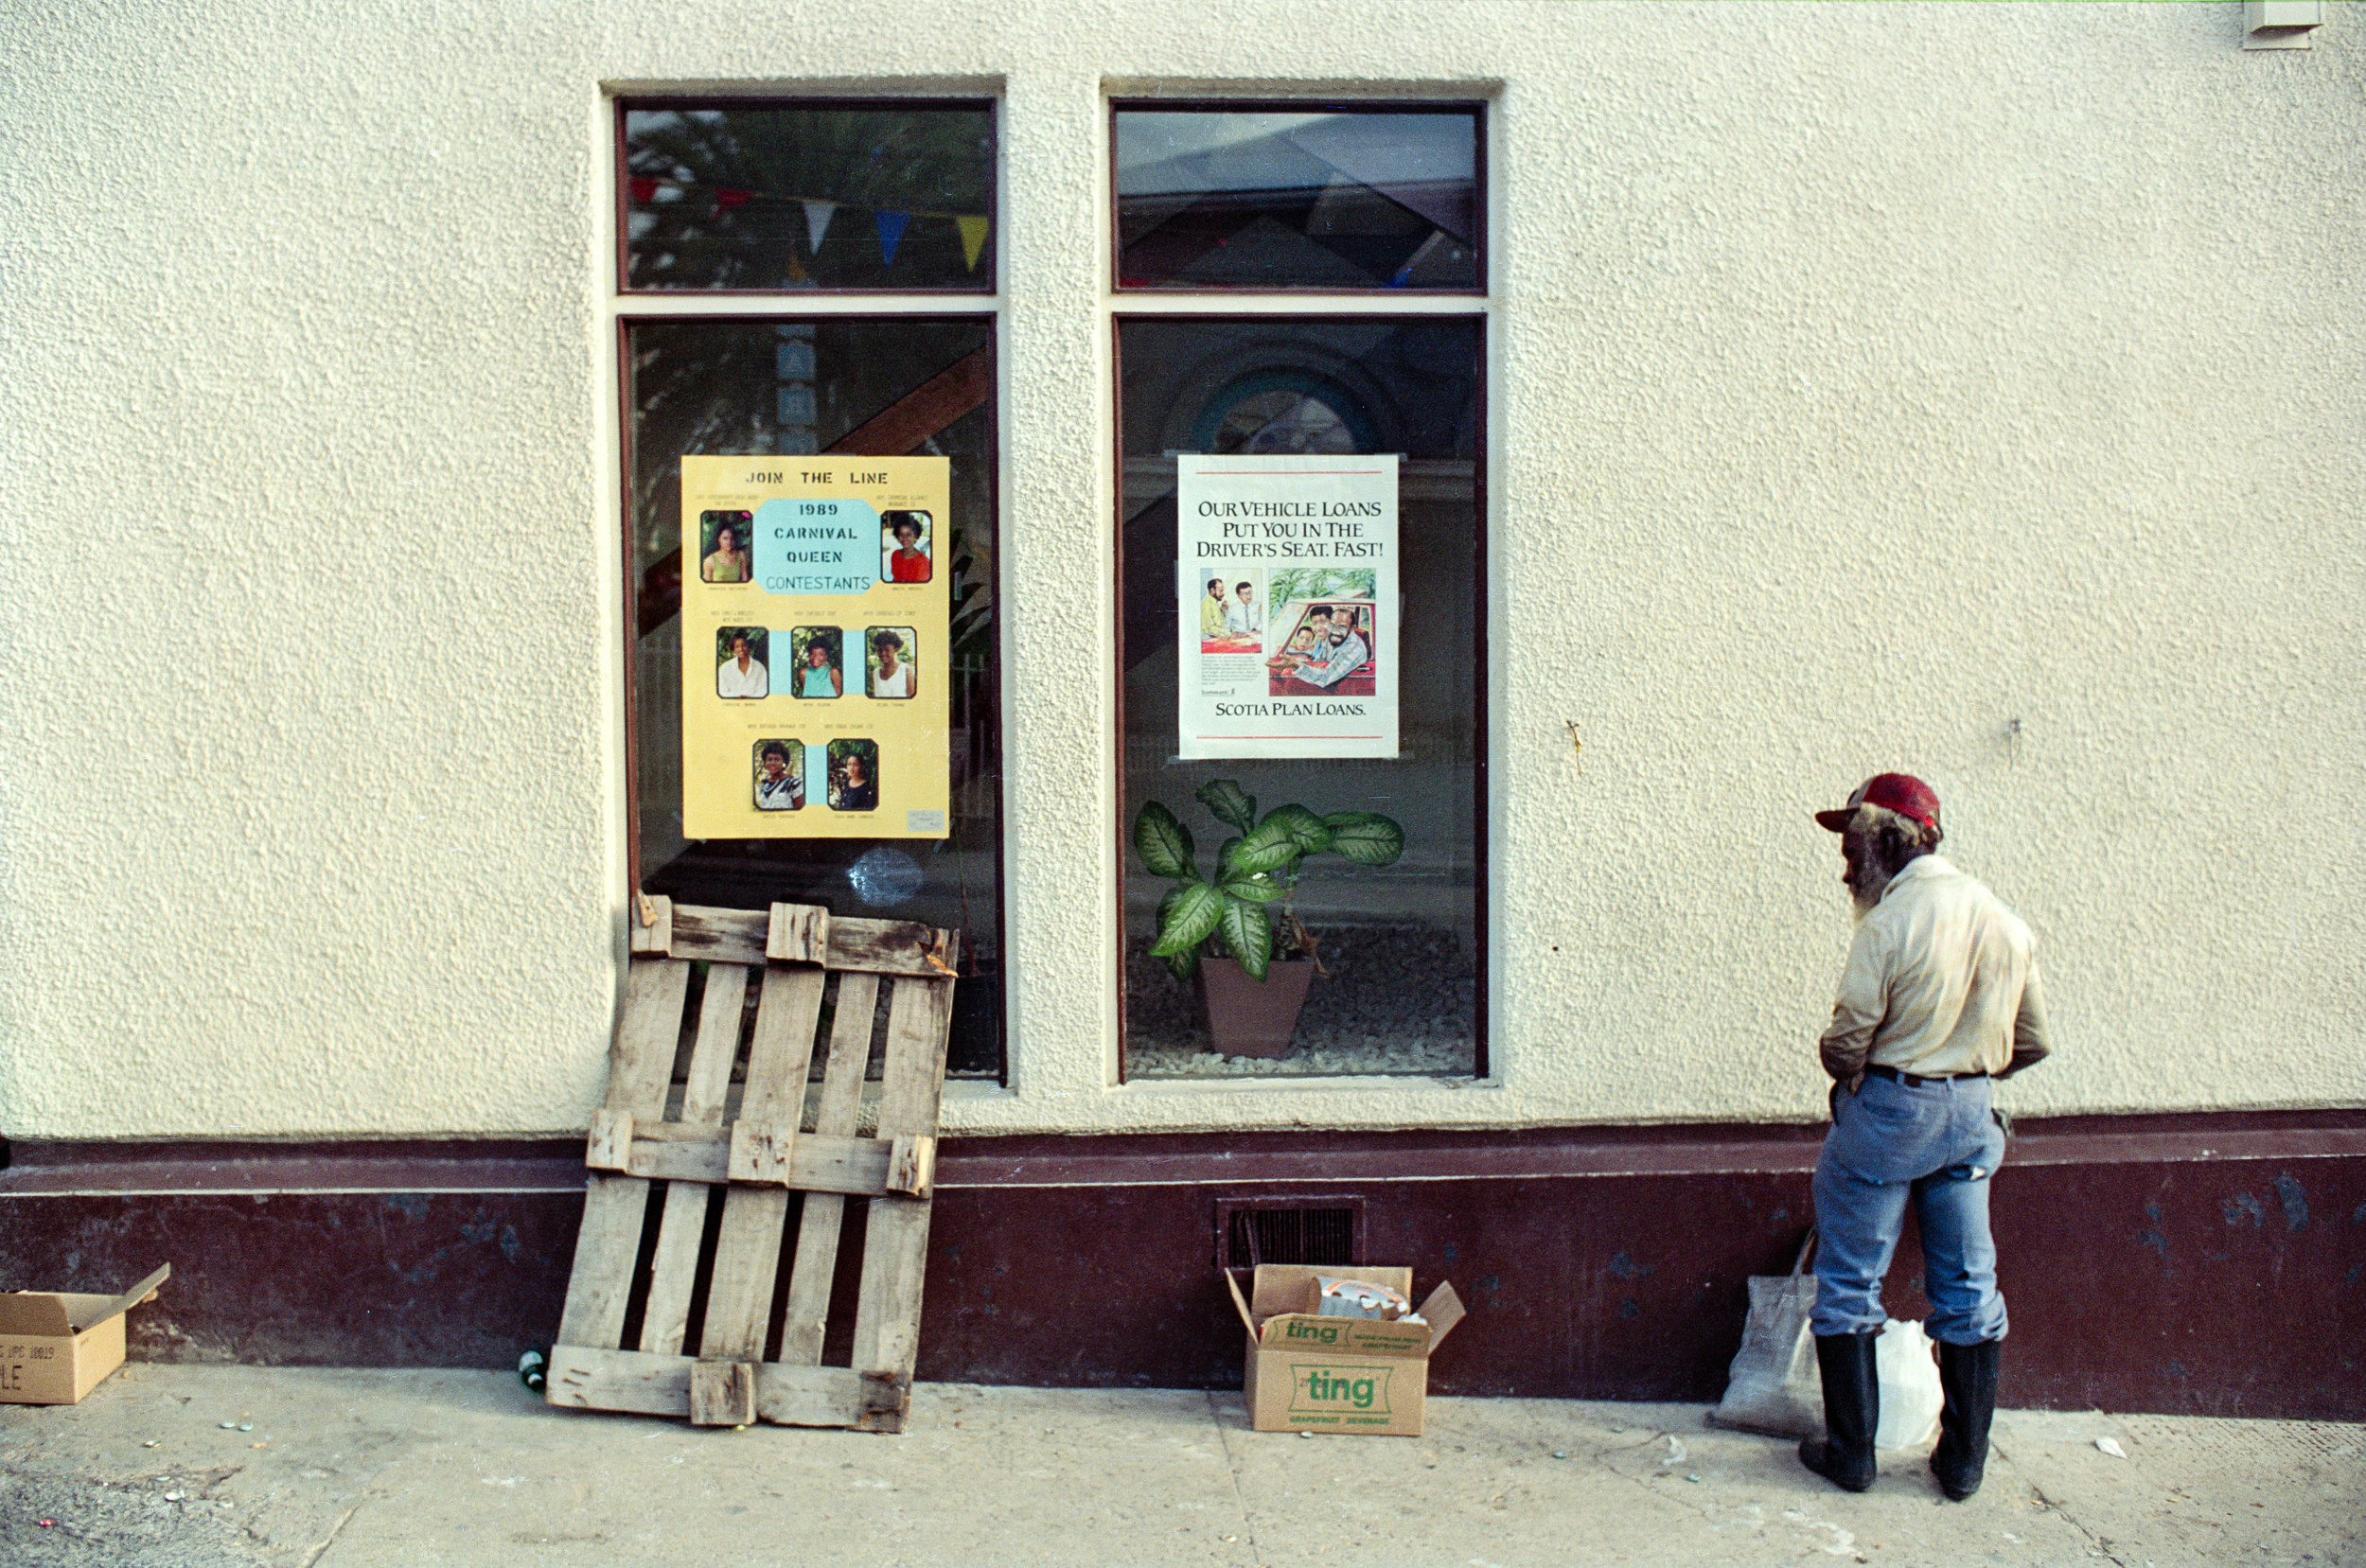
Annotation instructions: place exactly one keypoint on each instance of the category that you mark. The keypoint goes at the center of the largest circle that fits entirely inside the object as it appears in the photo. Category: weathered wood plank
(651, 919)
(608, 1243)
(895, 1250)
(641, 1057)
(673, 1273)
(584, 1378)
(722, 1393)
(856, 1166)
(748, 1252)
(911, 1166)
(763, 1155)
(880, 946)
(610, 1147)
(840, 1112)
(798, 933)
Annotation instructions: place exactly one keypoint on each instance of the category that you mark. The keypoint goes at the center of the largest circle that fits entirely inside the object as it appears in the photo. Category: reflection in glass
(809, 198)
(1215, 197)
(1403, 945)
(714, 386)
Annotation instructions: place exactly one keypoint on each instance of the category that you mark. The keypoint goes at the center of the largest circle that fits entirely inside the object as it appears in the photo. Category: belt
(1916, 1080)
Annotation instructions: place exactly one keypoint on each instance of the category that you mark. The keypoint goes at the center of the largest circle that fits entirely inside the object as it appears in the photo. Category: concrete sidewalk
(342, 1469)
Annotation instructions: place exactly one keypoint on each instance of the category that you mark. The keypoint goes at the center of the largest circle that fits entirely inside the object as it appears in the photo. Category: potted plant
(1221, 935)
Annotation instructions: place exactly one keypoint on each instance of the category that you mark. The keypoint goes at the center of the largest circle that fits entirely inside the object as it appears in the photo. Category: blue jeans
(1937, 1144)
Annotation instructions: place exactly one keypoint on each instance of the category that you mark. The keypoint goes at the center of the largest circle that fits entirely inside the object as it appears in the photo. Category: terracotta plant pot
(1249, 1017)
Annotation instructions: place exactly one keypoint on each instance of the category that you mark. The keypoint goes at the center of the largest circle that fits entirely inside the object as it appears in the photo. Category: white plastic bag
(1911, 1396)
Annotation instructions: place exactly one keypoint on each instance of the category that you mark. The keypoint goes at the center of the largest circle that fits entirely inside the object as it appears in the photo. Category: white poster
(1286, 573)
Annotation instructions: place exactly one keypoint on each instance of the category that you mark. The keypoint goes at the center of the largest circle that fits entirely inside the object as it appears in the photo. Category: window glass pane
(1402, 944)
(884, 386)
(807, 198)
(1218, 198)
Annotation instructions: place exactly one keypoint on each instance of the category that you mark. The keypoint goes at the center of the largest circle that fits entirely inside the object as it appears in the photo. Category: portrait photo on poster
(1232, 611)
(906, 549)
(889, 655)
(724, 541)
(779, 781)
(853, 775)
(741, 667)
(818, 656)
(1332, 648)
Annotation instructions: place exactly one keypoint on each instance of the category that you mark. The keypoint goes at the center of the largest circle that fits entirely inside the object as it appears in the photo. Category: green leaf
(1247, 934)
(1305, 829)
(1230, 803)
(1365, 836)
(1267, 849)
(1223, 856)
(1165, 843)
(1258, 888)
(1183, 966)
(1189, 920)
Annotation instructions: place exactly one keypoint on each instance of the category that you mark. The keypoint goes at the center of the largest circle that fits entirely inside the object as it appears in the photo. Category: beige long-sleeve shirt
(1941, 978)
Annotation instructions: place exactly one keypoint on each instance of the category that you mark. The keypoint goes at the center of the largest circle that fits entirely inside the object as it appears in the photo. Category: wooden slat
(764, 1155)
(609, 1242)
(748, 1253)
(722, 1393)
(857, 1167)
(584, 1378)
(610, 1148)
(798, 933)
(673, 1271)
(652, 921)
(839, 1114)
(880, 946)
(911, 1166)
(895, 1250)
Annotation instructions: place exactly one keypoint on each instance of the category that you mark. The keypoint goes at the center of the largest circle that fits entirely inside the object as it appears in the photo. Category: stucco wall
(1865, 378)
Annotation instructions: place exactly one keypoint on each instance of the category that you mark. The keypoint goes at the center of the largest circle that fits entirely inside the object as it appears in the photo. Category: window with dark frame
(1296, 200)
(1298, 197)
(758, 202)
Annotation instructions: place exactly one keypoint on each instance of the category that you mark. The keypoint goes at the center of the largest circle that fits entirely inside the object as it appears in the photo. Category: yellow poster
(816, 598)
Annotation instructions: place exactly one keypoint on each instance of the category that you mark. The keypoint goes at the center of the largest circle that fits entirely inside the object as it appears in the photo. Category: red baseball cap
(1900, 792)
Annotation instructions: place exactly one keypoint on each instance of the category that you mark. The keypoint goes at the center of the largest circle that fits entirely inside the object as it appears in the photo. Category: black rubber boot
(1852, 1408)
(1968, 1379)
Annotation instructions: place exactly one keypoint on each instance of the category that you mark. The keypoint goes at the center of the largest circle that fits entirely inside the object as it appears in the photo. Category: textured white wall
(1865, 377)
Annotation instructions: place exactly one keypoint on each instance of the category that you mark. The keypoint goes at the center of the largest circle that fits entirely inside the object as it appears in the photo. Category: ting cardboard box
(55, 1346)
(1309, 1373)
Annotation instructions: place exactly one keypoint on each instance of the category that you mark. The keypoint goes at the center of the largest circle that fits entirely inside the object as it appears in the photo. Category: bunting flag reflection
(818, 224)
(973, 227)
(889, 223)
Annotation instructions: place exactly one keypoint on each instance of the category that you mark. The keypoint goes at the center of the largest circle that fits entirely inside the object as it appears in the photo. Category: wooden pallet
(757, 1161)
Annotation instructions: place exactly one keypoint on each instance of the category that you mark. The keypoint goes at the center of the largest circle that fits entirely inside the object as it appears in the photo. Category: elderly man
(1940, 996)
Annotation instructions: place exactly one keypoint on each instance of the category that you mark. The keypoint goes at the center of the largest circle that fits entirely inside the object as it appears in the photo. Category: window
(1298, 196)
(765, 195)
(1329, 389)
(775, 207)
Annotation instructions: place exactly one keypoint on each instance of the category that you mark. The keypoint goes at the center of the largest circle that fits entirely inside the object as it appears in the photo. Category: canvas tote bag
(1772, 1385)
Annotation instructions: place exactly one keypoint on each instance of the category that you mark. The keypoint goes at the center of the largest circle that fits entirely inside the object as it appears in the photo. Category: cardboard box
(1308, 1373)
(55, 1346)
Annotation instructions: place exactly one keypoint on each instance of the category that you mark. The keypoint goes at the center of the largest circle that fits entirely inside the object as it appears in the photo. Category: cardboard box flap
(1240, 1302)
(1290, 1287)
(34, 1312)
(1445, 1309)
(100, 1307)
(64, 1313)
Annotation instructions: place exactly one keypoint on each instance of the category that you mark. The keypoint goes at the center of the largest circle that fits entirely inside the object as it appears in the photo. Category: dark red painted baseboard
(2205, 1264)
